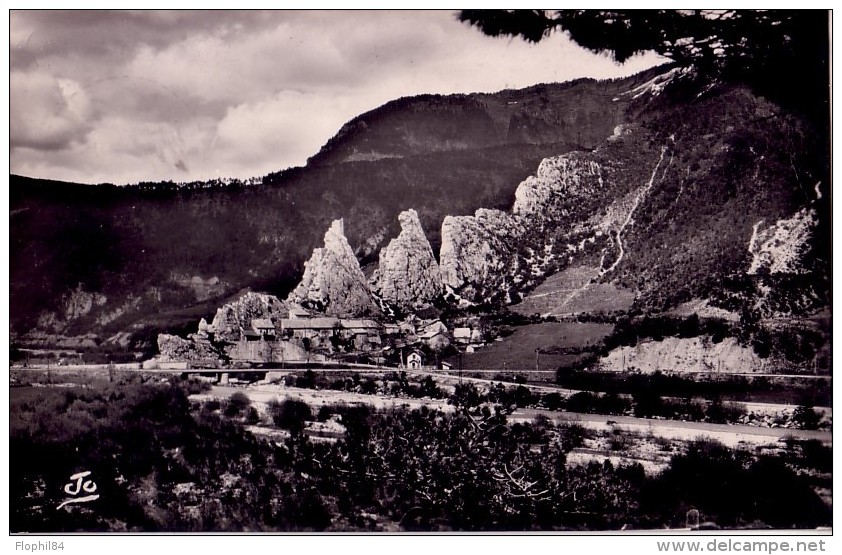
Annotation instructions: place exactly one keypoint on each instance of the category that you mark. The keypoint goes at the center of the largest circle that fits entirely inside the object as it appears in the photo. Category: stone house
(462, 335)
(362, 332)
(264, 327)
(365, 334)
(414, 361)
(434, 335)
(298, 313)
(308, 328)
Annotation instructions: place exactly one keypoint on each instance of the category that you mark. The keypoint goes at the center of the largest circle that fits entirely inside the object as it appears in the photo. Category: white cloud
(193, 95)
(282, 131)
(45, 112)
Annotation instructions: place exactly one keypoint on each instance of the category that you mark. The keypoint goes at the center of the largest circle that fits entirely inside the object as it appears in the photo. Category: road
(668, 428)
(729, 434)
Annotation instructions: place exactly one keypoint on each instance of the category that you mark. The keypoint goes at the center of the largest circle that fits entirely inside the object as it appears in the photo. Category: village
(304, 338)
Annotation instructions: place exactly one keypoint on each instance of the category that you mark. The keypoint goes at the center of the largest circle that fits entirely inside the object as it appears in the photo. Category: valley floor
(728, 434)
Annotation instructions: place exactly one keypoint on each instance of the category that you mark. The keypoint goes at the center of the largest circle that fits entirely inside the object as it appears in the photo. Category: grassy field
(569, 292)
(517, 351)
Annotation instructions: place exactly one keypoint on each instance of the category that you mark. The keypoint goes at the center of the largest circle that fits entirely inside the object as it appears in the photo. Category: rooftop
(262, 323)
(309, 323)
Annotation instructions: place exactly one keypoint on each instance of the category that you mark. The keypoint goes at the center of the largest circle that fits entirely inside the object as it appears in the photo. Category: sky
(131, 96)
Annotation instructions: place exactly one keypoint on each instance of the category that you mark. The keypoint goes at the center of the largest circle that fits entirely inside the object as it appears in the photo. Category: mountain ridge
(218, 252)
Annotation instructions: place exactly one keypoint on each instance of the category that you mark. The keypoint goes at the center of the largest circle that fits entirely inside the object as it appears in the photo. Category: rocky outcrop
(557, 179)
(408, 275)
(479, 253)
(77, 304)
(333, 282)
(779, 248)
(80, 302)
(193, 349)
(232, 318)
(203, 289)
(482, 255)
(673, 354)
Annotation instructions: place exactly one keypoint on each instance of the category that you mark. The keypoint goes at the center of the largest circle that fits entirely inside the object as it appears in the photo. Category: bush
(290, 414)
(239, 399)
(325, 412)
(523, 396)
(465, 395)
(231, 410)
(237, 403)
(806, 417)
(368, 387)
(647, 404)
(552, 401)
(581, 402)
(573, 435)
(306, 380)
(723, 413)
(194, 386)
(611, 403)
(252, 417)
(430, 389)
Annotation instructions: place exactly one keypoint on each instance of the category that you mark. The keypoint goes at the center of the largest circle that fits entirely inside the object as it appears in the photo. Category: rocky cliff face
(664, 208)
(408, 275)
(673, 354)
(75, 305)
(493, 253)
(479, 253)
(193, 349)
(227, 326)
(557, 178)
(778, 249)
(333, 282)
(236, 316)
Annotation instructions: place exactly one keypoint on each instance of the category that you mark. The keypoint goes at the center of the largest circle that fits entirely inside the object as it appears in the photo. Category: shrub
(429, 388)
(806, 417)
(194, 386)
(552, 400)
(523, 396)
(368, 387)
(239, 399)
(306, 380)
(580, 402)
(723, 413)
(572, 435)
(231, 410)
(290, 414)
(324, 413)
(647, 403)
(237, 403)
(465, 395)
(252, 417)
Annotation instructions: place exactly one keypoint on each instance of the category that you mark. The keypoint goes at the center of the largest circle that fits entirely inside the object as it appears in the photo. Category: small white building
(414, 361)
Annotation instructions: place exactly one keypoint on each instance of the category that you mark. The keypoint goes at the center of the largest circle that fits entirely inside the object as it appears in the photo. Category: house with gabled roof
(264, 327)
(414, 360)
(297, 312)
